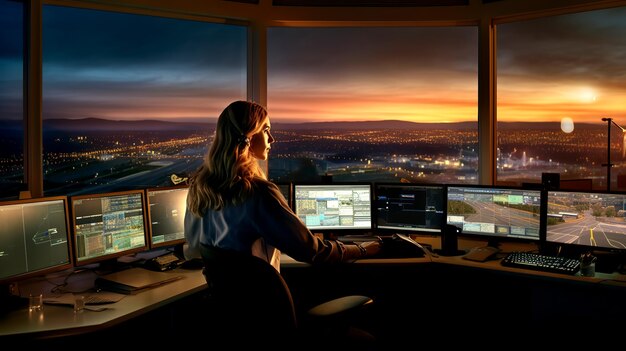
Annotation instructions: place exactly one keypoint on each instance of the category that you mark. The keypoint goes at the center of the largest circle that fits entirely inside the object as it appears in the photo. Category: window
(557, 77)
(11, 98)
(374, 104)
(130, 101)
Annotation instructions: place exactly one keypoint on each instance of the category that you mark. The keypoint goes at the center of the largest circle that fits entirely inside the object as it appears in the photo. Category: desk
(419, 296)
(408, 294)
(615, 279)
(55, 321)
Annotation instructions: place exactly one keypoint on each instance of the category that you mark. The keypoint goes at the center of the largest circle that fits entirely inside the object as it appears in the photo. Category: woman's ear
(244, 140)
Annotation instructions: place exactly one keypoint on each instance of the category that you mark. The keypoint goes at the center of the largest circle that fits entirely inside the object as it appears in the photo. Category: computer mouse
(401, 246)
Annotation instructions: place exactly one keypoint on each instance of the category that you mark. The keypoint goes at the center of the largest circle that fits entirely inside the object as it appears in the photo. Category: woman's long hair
(226, 175)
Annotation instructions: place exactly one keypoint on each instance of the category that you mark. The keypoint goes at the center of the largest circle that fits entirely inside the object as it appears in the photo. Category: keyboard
(394, 246)
(102, 298)
(541, 262)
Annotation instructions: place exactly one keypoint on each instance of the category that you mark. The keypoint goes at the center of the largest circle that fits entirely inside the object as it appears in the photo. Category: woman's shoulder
(264, 188)
(262, 185)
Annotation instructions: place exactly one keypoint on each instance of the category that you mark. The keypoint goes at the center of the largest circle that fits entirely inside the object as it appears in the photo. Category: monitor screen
(593, 219)
(285, 189)
(166, 213)
(34, 237)
(108, 225)
(495, 212)
(336, 206)
(409, 207)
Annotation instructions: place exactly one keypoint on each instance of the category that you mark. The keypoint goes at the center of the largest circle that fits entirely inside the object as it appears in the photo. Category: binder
(134, 280)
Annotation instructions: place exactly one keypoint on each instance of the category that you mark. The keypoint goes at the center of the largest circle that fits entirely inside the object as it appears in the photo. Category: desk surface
(494, 265)
(56, 320)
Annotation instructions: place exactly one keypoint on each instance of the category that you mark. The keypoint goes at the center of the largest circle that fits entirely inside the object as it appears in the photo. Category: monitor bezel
(115, 255)
(410, 230)
(492, 238)
(50, 269)
(151, 244)
(331, 232)
(290, 196)
(576, 248)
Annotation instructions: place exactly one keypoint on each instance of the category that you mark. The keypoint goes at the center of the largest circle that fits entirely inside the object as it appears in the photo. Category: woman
(232, 205)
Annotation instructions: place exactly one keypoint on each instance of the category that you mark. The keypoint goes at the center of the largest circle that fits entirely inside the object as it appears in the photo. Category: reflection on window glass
(130, 101)
(374, 104)
(557, 78)
(11, 98)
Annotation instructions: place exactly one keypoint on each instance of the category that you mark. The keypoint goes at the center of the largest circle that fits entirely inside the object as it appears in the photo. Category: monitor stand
(449, 241)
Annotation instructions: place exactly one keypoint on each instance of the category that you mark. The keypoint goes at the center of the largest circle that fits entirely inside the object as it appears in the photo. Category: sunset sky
(121, 66)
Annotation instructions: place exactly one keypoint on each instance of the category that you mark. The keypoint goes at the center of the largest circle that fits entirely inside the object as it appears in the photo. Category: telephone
(481, 253)
(164, 262)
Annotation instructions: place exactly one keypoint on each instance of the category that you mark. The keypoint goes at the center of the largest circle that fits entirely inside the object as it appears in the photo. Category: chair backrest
(250, 298)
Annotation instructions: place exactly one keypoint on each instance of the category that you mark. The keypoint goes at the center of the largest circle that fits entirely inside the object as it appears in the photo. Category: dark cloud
(570, 47)
(11, 32)
(79, 37)
(348, 52)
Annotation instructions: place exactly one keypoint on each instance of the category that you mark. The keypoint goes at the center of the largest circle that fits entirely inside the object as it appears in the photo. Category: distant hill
(406, 125)
(99, 124)
(371, 125)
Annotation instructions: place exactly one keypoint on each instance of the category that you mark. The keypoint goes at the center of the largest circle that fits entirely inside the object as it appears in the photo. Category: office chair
(250, 303)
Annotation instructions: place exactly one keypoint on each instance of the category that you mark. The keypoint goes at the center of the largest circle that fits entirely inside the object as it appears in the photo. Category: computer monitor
(495, 213)
(166, 215)
(334, 207)
(285, 189)
(587, 219)
(108, 225)
(34, 237)
(409, 207)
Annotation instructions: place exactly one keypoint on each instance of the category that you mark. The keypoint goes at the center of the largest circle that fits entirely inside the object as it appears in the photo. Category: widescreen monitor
(495, 212)
(108, 225)
(166, 214)
(335, 206)
(285, 189)
(34, 237)
(587, 219)
(409, 207)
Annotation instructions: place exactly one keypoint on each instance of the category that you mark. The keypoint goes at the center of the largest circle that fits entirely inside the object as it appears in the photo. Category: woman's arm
(281, 228)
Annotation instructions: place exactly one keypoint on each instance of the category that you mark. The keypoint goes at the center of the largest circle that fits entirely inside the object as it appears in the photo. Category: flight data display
(33, 237)
(495, 212)
(409, 207)
(586, 218)
(334, 206)
(108, 225)
(167, 208)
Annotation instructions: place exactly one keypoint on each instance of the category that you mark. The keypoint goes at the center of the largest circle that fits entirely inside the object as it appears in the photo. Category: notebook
(135, 279)
(103, 297)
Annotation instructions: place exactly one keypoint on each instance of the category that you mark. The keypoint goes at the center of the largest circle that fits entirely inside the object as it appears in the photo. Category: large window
(11, 98)
(130, 101)
(557, 78)
(374, 104)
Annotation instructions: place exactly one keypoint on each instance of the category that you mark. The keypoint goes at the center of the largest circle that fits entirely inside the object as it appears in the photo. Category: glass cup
(35, 302)
(79, 303)
(588, 269)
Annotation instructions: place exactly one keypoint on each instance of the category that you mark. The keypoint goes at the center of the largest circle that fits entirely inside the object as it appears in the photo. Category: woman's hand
(371, 247)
